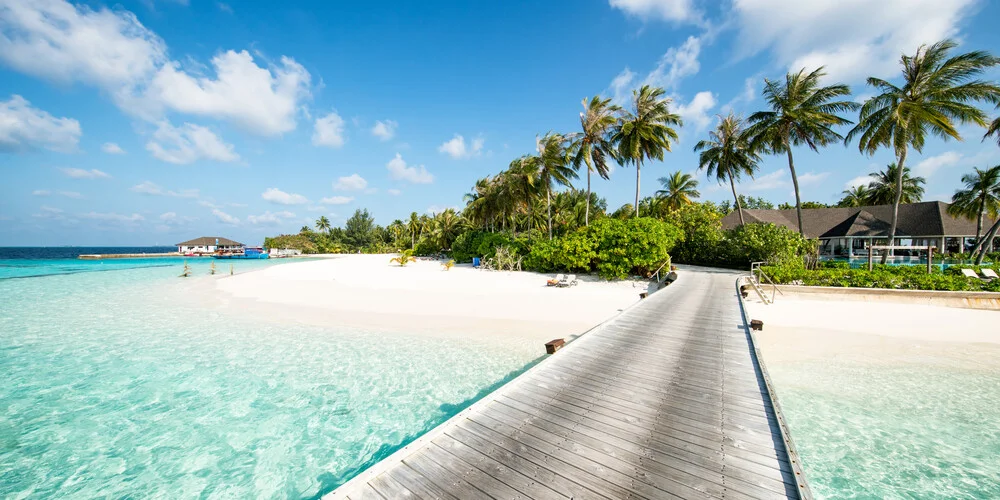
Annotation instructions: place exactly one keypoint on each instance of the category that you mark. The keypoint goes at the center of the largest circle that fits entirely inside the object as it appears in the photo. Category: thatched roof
(209, 241)
(926, 219)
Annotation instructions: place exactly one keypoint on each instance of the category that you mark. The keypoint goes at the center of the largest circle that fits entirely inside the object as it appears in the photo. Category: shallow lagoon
(118, 382)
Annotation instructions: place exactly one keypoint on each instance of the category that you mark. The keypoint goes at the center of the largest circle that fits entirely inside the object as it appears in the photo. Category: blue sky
(153, 121)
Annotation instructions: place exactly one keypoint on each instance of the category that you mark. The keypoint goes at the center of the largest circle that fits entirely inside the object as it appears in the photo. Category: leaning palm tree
(727, 155)
(802, 113)
(593, 146)
(553, 167)
(323, 224)
(644, 132)
(936, 95)
(678, 190)
(994, 129)
(856, 196)
(981, 197)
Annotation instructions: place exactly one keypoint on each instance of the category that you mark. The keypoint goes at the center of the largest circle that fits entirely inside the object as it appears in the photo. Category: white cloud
(861, 180)
(667, 10)
(168, 216)
(55, 40)
(48, 212)
(263, 101)
(927, 166)
(269, 217)
(112, 216)
(394, 192)
(189, 143)
(696, 112)
(676, 64)
(773, 180)
(353, 182)
(71, 194)
(153, 189)
(457, 149)
(112, 50)
(112, 149)
(224, 217)
(812, 178)
(275, 195)
(329, 131)
(23, 127)
(79, 173)
(417, 174)
(747, 96)
(337, 200)
(41, 192)
(852, 38)
(384, 130)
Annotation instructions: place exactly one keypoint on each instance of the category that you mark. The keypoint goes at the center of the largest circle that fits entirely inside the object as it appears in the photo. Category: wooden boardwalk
(667, 400)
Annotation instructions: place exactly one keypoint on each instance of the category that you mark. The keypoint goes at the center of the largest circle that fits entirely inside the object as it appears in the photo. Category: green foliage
(701, 226)
(427, 246)
(761, 243)
(614, 248)
(805, 204)
(479, 244)
(359, 230)
(748, 202)
(404, 258)
(299, 241)
(882, 276)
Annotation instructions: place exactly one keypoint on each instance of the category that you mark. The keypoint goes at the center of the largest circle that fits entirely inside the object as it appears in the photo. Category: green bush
(297, 241)
(614, 248)
(881, 276)
(702, 228)
(427, 246)
(761, 243)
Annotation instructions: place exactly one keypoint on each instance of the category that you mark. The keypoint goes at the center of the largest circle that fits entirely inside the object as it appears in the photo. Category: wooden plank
(663, 401)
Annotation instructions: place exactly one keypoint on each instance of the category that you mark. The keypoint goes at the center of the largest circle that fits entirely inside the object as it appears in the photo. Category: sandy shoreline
(367, 292)
(802, 328)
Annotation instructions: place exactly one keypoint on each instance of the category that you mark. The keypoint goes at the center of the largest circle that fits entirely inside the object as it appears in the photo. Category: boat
(245, 253)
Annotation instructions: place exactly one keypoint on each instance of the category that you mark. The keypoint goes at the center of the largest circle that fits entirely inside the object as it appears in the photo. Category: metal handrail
(656, 274)
(757, 273)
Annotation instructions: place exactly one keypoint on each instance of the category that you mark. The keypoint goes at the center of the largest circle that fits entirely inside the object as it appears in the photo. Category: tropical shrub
(881, 276)
(427, 246)
(761, 243)
(478, 244)
(574, 252)
(701, 224)
(404, 258)
(297, 241)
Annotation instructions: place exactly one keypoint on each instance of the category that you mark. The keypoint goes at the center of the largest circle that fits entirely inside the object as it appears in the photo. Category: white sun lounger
(989, 273)
(557, 281)
(569, 281)
(969, 273)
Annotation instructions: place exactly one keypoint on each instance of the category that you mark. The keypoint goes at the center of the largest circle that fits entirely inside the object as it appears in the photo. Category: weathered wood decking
(667, 400)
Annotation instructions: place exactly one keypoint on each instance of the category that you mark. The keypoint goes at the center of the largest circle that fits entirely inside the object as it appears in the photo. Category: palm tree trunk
(795, 185)
(638, 166)
(739, 206)
(586, 215)
(986, 241)
(895, 204)
(548, 202)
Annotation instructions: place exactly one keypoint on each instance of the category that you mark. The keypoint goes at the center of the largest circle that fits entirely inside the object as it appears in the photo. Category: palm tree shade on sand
(727, 155)
(803, 112)
(936, 95)
(645, 132)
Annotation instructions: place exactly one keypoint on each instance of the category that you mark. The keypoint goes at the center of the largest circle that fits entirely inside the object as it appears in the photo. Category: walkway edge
(793, 455)
(362, 478)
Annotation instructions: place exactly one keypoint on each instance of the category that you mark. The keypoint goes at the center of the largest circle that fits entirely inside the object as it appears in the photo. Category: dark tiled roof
(915, 219)
(206, 241)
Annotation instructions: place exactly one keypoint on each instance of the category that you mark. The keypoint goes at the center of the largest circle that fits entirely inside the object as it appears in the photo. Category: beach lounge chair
(557, 281)
(569, 281)
(989, 273)
(969, 273)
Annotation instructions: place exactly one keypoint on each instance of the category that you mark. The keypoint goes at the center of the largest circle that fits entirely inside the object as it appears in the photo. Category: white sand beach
(807, 327)
(366, 291)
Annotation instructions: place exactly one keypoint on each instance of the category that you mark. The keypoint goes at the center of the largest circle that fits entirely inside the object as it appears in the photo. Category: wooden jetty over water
(667, 400)
(98, 256)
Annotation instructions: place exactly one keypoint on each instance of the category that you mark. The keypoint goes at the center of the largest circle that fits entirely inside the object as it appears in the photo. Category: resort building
(847, 232)
(209, 244)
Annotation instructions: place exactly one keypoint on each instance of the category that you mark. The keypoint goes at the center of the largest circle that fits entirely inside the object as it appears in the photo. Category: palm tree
(727, 155)
(981, 197)
(644, 132)
(935, 96)
(856, 196)
(553, 166)
(404, 258)
(802, 112)
(414, 226)
(323, 224)
(593, 146)
(994, 129)
(446, 226)
(678, 190)
(882, 187)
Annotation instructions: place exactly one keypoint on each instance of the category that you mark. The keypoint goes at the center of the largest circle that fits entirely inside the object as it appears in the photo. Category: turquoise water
(118, 384)
(894, 431)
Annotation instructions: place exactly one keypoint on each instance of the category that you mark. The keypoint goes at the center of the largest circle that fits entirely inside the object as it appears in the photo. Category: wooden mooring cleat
(554, 345)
